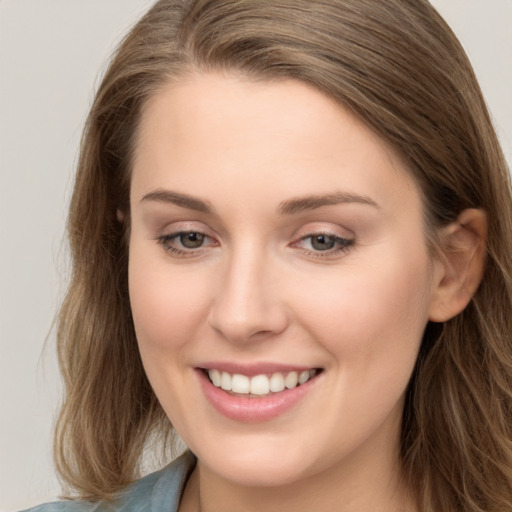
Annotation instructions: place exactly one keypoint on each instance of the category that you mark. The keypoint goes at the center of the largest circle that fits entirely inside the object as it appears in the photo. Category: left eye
(191, 240)
(324, 242)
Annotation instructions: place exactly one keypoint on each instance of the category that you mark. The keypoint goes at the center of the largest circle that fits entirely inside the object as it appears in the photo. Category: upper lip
(252, 369)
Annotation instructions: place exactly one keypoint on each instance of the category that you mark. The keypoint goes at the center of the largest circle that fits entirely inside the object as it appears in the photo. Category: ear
(120, 216)
(460, 266)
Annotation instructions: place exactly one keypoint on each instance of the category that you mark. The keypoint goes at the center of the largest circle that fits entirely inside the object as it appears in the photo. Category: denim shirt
(158, 492)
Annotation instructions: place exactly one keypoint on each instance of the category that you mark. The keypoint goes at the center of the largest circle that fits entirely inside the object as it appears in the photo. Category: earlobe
(460, 266)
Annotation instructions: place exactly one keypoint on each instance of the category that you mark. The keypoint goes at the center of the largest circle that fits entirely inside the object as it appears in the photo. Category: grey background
(52, 53)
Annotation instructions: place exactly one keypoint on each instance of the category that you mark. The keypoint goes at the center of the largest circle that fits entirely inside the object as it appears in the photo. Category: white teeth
(215, 377)
(240, 383)
(291, 380)
(225, 381)
(304, 377)
(259, 384)
(277, 382)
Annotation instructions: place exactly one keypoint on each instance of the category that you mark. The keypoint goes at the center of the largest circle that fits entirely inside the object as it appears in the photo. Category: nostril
(244, 330)
(246, 307)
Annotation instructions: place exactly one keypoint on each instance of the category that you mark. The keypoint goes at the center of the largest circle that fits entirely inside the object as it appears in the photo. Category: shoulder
(66, 506)
(159, 491)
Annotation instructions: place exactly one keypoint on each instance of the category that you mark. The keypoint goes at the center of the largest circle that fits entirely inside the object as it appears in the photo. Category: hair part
(398, 67)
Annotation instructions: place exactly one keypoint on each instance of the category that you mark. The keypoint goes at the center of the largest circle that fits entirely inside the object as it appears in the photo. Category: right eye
(191, 240)
(185, 243)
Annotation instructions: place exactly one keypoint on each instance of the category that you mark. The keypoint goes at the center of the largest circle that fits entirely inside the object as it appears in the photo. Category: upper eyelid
(175, 234)
(342, 245)
(327, 232)
(350, 240)
(177, 227)
(304, 231)
(169, 244)
(339, 232)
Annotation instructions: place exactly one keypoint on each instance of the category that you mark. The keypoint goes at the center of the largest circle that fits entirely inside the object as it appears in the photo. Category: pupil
(191, 240)
(322, 242)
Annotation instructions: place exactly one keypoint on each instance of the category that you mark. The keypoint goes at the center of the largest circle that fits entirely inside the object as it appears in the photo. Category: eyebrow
(288, 207)
(183, 200)
(312, 202)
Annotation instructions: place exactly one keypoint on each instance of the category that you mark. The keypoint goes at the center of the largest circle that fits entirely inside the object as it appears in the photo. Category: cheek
(371, 320)
(166, 305)
(370, 312)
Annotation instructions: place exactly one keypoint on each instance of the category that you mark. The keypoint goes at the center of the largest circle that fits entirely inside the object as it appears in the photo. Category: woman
(298, 255)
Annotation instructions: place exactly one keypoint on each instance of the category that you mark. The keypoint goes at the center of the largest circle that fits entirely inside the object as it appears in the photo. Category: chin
(259, 472)
(260, 460)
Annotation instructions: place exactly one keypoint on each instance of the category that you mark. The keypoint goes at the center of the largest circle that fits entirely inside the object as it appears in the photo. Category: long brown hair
(397, 66)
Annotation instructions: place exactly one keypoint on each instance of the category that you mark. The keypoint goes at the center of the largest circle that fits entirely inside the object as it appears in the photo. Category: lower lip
(253, 410)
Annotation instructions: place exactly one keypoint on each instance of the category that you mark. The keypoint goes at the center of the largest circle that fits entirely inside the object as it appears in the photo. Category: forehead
(278, 135)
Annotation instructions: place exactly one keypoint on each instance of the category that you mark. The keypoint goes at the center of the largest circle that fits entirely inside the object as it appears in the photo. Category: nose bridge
(247, 303)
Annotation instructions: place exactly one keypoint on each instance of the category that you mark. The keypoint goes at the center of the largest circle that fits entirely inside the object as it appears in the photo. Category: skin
(257, 290)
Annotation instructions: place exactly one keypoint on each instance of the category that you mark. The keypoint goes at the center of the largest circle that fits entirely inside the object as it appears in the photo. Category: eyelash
(343, 245)
(167, 242)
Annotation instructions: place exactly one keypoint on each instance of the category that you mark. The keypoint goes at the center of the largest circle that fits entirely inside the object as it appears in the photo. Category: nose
(248, 303)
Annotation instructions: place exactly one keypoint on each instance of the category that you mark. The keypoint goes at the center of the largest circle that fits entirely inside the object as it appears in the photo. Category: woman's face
(275, 237)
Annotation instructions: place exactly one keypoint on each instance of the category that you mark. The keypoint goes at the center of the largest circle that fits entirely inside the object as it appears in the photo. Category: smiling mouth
(262, 385)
